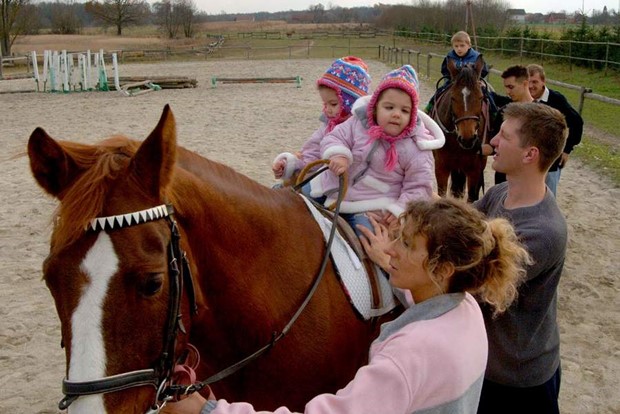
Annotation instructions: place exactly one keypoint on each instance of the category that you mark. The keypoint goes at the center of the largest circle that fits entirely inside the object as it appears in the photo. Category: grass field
(600, 145)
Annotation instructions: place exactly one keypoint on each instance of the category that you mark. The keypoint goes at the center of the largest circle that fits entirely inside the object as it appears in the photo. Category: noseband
(161, 373)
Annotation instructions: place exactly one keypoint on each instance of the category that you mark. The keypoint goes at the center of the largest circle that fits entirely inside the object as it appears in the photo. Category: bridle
(160, 377)
(476, 142)
(179, 276)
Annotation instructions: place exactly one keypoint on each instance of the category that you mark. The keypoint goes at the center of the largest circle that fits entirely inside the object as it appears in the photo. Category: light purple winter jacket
(377, 189)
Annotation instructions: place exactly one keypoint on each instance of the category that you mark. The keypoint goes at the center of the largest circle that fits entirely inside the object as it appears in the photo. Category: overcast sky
(530, 6)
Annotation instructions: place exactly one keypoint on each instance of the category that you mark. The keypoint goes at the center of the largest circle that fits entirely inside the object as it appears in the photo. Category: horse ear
(452, 68)
(479, 64)
(156, 156)
(51, 165)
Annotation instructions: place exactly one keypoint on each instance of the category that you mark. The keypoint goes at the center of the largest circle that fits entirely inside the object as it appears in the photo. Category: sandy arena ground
(245, 126)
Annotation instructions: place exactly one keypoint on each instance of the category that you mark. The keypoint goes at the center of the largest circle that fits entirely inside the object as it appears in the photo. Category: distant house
(516, 15)
(244, 18)
(556, 18)
(535, 18)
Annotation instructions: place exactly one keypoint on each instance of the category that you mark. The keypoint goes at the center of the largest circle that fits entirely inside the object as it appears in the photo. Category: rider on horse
(462, 54)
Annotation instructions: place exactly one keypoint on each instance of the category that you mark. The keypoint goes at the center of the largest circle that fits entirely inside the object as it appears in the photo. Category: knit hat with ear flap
(349, 77)
(405, 79)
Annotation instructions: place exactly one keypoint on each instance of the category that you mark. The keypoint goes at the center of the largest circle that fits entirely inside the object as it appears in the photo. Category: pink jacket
(432, 358)
(378, 189)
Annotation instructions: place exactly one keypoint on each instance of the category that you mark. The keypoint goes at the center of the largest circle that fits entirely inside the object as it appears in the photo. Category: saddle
(372, 270)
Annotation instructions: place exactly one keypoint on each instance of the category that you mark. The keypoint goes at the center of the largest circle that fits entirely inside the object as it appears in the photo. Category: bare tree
(12, 22)
(174, 15)
(119, 13)
(166, 18)
(64, 19)
(187, 16)
(318, 11)
(444, 17)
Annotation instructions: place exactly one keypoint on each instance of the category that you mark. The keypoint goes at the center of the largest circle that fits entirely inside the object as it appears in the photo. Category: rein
(160, 377)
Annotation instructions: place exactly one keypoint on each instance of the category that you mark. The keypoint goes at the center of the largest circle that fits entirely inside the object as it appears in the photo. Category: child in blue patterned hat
(386, 149)
(345, 81)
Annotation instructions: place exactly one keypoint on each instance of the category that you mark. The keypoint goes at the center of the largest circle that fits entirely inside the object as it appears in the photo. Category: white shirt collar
(545, 96)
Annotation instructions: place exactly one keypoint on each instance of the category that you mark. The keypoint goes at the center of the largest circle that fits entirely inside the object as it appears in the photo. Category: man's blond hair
(461, 36)
(533, 69)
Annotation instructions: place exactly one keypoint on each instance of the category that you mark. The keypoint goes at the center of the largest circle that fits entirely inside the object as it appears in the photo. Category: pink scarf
(376, 132)
(336, 120)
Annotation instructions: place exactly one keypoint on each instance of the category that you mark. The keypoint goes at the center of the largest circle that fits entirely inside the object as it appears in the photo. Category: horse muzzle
(468, 144)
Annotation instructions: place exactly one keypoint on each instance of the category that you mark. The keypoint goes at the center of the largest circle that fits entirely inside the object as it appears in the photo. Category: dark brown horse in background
(463, 115)
(129, 302)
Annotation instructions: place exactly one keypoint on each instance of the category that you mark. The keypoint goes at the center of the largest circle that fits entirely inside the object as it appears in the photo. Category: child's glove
(278, 168)
(338, 164)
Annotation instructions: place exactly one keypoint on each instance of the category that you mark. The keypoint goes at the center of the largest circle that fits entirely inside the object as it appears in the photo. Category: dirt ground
(245, 126)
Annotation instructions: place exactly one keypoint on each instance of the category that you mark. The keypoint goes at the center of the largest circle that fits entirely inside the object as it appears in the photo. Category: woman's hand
(338, 164)
(190, 405)
(383, 217)
(376, 243)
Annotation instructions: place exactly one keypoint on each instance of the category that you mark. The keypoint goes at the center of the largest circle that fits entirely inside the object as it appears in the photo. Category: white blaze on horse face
(466, 92)
(88, 358)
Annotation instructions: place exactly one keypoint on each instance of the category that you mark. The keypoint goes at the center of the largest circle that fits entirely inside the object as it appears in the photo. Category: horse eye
(151, 284)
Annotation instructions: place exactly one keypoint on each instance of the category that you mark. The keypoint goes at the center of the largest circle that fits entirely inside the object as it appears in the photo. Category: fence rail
(604, 54)
(404, 56)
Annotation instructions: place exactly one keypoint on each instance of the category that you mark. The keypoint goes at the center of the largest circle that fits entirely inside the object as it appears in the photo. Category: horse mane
(468, 76)
(102, 163)
(83, 199)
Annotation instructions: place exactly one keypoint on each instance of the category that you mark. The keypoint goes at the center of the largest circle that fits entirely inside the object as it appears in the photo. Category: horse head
(111, 248)
(466, 103)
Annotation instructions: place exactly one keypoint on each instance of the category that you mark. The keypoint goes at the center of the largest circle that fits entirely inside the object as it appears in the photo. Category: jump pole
(53, 71)
(64, 71)
(35, 69)
(45, 68)
(89, 60)
(103, 76)
(117, 84)
(296, 79)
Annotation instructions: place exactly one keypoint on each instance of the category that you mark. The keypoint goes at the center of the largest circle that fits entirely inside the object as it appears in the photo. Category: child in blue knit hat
(386, 149)
(345, 81)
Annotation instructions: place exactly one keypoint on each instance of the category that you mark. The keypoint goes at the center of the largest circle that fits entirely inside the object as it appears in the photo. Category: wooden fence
(607, 54)
(420, 60)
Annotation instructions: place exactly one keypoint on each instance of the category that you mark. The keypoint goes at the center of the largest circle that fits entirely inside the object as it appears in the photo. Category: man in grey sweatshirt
(523, 369)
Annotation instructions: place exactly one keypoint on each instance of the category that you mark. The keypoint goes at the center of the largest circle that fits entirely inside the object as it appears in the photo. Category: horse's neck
(226, 210)
(203, 187)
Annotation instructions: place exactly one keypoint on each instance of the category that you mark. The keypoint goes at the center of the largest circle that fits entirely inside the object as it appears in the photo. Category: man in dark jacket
(555, 99)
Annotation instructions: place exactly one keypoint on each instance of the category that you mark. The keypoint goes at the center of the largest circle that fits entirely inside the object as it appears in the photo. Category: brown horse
(129, 302)
(460, 111)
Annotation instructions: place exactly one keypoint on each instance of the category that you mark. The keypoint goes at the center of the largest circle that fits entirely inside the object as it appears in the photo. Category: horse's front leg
(475, 181)
(457, 183)
(442, 173)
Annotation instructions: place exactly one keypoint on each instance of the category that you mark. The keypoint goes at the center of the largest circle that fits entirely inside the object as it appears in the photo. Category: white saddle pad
(352, 272)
